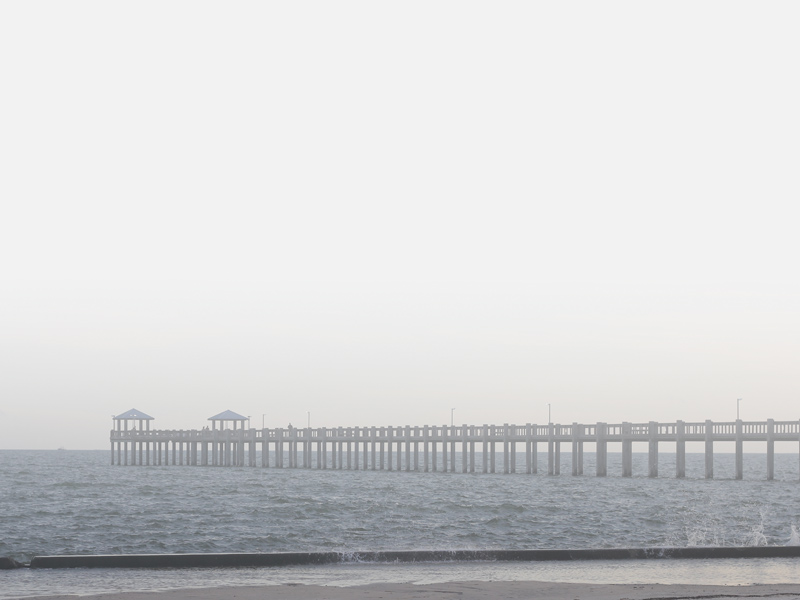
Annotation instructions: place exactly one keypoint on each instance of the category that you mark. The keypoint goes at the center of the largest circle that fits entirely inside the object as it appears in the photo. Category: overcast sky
(376, 212)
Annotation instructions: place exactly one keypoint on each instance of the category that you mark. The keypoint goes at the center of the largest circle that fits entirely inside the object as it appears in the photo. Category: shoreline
(464, 590)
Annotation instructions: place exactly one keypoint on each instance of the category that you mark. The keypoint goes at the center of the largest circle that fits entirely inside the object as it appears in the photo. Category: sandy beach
(468, 590)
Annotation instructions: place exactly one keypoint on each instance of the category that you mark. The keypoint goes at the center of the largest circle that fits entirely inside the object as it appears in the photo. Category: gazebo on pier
(123, 431)
(227, 417)
(133, 415)
(227, 447)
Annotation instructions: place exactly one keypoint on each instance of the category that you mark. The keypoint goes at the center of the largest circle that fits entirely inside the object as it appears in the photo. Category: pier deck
(435, 448)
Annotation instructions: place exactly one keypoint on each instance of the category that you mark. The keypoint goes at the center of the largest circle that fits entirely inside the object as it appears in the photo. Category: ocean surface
(75, 502)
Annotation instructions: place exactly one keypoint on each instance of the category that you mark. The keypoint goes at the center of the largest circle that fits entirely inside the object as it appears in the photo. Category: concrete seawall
(280, 559)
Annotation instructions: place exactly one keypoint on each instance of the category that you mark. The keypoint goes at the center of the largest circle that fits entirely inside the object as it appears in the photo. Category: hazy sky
(379, 211)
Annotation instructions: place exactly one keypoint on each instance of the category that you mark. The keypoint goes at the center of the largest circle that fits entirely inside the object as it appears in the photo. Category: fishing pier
(453, 448)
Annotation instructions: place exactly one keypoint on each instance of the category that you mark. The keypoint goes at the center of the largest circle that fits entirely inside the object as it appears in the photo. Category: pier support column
(770, 449)
(557, 458)
(390, 435)
(652, 454)
(425, 447)
(506, 449)
(444, 449)
(627, 450)
(680, 450)
(355, 448)
(485, 453)
(452, 449)
(374, 442)
(464, 449)
(534, 452)
(709, 450)
(574, 449)
(602, 450)
(528, 442)
(551, 455)
(416, 455)
(739, 450)
(472, 455)
(408, 448)
(400, 451)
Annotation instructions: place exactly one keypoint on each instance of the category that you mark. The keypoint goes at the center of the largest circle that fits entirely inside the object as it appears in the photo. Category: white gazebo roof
(133, 414)
(228, 415)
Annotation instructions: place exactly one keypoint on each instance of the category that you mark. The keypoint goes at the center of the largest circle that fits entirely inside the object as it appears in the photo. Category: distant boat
(61, 449)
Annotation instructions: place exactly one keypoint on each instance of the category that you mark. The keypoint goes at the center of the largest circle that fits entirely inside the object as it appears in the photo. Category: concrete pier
(227, 443)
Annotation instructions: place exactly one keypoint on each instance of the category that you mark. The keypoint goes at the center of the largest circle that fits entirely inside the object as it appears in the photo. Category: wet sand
(467, 590)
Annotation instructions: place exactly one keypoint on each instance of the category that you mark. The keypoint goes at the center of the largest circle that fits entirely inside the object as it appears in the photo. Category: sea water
(75, 502)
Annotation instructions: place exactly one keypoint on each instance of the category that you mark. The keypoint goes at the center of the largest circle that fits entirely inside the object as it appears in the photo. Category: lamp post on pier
(738, 400)
(452, 410)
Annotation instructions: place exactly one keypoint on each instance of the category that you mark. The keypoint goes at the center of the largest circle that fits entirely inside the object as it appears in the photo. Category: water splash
(756, 536)
(794, 536)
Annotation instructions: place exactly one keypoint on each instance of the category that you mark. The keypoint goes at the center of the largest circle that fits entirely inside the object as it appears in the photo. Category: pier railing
(435, 447)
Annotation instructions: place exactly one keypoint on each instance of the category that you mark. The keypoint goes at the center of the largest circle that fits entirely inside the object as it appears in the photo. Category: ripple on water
(79, 503)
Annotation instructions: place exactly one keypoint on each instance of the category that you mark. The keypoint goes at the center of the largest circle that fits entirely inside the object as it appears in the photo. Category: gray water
(75, 502)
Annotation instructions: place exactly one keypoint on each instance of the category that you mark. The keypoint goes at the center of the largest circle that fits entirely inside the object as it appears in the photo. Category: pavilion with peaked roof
(133, 415)
(227, 416)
